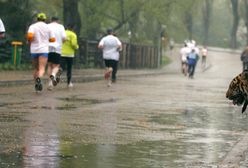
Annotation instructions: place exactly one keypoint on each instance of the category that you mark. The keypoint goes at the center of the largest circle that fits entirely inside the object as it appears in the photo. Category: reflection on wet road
(157, 121)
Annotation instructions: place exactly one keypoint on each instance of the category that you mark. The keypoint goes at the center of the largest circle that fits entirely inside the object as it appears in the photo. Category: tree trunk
(189, 24)
(246, 20)
(235, 23)
(71, 14)
(207, 9)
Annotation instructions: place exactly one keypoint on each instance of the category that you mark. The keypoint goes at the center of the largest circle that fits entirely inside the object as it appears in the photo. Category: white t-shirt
(60, 35)
(110, 45)
(196, 50)
(2, 29)
(42, 34)
(184, 53)
(190, 45)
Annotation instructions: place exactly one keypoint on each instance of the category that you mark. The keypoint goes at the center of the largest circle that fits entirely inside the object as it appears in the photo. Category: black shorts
(54, 58)
(110, 63)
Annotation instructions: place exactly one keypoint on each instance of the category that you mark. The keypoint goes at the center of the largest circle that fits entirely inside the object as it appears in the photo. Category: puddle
(12, 116)
(66, 107)
(13, 104)
(84, 101)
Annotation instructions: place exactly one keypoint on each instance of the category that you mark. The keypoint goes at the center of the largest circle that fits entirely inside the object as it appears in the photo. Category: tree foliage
(16, 17)
(206, 21)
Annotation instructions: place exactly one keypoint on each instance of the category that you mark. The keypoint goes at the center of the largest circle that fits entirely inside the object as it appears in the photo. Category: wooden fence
(133, 56)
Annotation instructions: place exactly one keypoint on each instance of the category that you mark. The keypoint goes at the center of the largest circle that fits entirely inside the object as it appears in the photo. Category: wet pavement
(148, 119)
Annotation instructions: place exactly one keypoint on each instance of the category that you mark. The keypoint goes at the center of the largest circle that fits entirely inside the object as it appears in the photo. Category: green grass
(165, 60)
(9, 67)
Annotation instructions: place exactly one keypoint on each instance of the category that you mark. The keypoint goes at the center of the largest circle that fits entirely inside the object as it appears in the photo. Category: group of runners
(52, 46)
(190, 54)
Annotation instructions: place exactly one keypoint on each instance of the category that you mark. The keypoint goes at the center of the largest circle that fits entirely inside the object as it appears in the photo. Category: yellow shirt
(70, 45)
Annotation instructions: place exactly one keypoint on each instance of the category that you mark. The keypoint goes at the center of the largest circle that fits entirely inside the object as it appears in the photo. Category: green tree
(16, 17)
(71, 14)
(235, 12)
(246, 19)
(206, 13)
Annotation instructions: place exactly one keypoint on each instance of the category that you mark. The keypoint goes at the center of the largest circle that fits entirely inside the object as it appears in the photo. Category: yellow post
(16, 56)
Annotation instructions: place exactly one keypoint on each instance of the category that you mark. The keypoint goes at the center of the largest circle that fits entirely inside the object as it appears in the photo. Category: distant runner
(111, 46)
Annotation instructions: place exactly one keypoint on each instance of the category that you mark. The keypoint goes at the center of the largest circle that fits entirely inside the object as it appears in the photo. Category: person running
(204, 53)
(2, 29)
(39, 35)
(184, 53)
(244, 58)
(68, 51)
(111, 46)
(55, 51)
(192, 60)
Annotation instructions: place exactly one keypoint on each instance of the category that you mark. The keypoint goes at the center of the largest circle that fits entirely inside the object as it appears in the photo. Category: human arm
(2, 29)
(119, 48)
(51, 37)
(74, 42)
(101, 44)
(30, 34)
(63, 34)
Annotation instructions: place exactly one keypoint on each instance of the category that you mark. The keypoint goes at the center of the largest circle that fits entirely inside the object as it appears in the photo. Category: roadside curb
(79, 79)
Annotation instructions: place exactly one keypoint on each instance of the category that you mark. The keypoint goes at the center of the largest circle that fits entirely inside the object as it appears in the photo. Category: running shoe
(38, 85)
(109, 83)
(53, 80)
(70, 85)
(50, 85)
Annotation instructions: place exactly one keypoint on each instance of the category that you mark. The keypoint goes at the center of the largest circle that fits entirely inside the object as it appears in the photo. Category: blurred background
(218, 23)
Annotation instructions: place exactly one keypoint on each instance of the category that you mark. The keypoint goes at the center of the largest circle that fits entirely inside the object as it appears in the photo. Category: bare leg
(35, 67)
(42, 66)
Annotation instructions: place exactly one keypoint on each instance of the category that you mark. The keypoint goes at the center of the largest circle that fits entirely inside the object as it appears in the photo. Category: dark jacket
(244, 55)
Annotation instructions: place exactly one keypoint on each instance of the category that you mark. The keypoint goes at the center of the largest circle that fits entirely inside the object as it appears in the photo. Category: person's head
(41, 17)
(110, 31)
(70, 26)
(193, 50)
(54, 19)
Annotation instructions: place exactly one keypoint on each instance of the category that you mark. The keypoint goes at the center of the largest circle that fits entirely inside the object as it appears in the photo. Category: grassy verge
(165, 60)
(9, 67)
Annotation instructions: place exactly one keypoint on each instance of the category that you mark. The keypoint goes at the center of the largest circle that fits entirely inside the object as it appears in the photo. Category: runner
(184, 53)
(39, 36)
(111, 46)
(68, 52)
(204, 53)
(244, 58)
(192, 60)
(55, 51)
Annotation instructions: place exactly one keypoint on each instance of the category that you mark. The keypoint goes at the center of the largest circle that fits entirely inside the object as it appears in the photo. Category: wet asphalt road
(159, 121)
